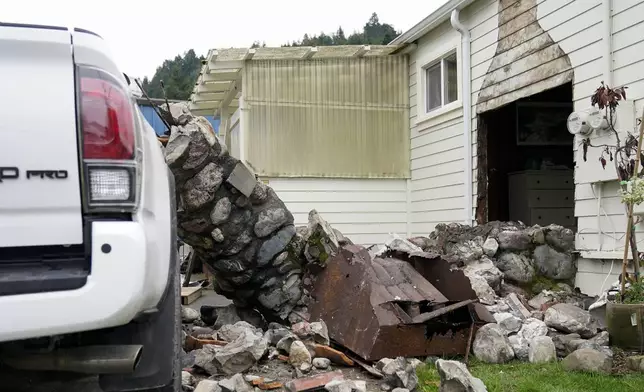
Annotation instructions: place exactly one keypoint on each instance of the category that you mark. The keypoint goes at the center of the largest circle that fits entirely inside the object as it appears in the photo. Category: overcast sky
(143, 33)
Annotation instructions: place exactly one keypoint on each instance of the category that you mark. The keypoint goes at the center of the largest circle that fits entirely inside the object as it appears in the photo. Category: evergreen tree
(178, 76)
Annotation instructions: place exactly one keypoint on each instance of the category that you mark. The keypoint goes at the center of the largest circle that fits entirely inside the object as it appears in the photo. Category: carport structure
(220, 85)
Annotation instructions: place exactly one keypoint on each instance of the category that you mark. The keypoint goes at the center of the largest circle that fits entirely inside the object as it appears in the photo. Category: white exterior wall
(601, 247)
(364, 210)
(437, 165)
(437, 151)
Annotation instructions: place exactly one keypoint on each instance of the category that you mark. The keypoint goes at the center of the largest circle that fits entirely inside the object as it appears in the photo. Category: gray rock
(402, 245)
(321, 363)
(553, 264)
(285, 343)
(217, 235)
(235, 357)
(537, 315)
(321, 242)
(516, 267)
(397, 389)
(542, 350)
(299, 354)
(456, 378)
(537, 235)
(231, 332)
(187, 380)
(320, 332)
(563, 342)
(490, 247)
(236, 383)
(560, 238)
(508, 322)
(189, 315)
(491, 345)
(305, 367)
(594, 346)
(200, 190)
(571, 319)
(483, 291)
(520, 346)
(208, 386)
(541, 299)
(422, 242)
(270, 220)
(221, 212)
(275, 245)
(588, 360)
(486, 269)
(468, 251)
(346, 386)
(602, 339)
(532, 328)
(274, 335)
(514, 240)
(636, 363)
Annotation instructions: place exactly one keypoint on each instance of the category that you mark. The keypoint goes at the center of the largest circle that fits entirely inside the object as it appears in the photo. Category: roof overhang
(432, 21)
(219, 85)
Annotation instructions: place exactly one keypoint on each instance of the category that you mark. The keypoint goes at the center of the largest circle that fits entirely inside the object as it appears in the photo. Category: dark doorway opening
(526, 161)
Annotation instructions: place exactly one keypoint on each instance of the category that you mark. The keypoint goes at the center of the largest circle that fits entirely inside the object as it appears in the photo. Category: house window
(441, 86)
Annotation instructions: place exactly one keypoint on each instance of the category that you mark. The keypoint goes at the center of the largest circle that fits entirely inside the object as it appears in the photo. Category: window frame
(423, 64)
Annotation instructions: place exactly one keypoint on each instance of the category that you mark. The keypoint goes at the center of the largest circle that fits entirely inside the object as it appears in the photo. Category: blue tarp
(159, 127)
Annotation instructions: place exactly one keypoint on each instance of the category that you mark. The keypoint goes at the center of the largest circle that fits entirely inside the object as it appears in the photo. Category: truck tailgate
(40, 190)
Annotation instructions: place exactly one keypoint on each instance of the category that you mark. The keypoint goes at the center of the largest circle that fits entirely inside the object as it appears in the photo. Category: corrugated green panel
(328, 118)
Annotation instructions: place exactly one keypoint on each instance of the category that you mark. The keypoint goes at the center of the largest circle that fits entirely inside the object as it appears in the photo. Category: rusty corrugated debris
(388, 307)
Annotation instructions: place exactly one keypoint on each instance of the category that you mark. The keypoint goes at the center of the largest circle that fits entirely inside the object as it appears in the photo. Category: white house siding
(577, 26)
(437, 152)
(364, 210)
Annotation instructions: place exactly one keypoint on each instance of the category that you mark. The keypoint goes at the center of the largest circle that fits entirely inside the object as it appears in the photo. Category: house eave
(434, 19)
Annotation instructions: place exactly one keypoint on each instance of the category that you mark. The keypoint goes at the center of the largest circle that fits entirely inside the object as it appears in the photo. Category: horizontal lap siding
(364, 210)
(437, 153)
(601, 237)
(587, 50)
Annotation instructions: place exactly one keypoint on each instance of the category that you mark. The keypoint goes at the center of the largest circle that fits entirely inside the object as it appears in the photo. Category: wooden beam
(362, 51)
(229, 97)
(206, 88)
(310, 53)
(205, 105)
(209, 97)
(225, 74)
(249, 54)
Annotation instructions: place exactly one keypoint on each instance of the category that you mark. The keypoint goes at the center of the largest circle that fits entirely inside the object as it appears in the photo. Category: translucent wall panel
(328, 118)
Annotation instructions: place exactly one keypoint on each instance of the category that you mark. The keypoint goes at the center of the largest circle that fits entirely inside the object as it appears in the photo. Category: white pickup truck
(88, 260)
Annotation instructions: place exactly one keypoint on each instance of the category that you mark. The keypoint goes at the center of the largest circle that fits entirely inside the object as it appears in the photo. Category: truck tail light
(109, 136)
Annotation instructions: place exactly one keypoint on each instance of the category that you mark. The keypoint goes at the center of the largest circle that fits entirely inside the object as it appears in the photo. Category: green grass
(526, 377)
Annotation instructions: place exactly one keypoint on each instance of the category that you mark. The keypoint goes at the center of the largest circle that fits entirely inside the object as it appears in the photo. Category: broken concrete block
(236, 383)
(456, 378)
(299, 354)
(208, 386)
(321, 363)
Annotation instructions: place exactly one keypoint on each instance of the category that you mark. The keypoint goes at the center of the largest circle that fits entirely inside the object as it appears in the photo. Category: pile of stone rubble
(245, 237)
(507, 263)
(242, 357)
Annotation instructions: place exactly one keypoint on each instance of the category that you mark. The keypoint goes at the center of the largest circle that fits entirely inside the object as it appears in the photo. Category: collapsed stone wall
(532, 258)
(238, 227)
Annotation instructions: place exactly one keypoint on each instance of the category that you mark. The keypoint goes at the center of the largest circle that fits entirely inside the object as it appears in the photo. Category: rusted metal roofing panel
(386, 308)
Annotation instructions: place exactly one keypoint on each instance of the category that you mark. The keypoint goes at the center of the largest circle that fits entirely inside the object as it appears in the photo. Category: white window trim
(423, 63)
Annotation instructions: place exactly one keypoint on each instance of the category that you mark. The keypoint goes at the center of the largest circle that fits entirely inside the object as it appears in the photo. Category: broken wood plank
(368, 368)
(332, 354)
(516, 305)
(193, 343)
(265, 385)
(313, 383)
(190, 294)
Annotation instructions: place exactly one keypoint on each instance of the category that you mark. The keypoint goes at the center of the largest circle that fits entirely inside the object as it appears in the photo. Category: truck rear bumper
(112, 296)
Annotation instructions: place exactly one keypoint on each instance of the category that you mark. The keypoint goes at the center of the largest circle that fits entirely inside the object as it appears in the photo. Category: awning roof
(219, 83)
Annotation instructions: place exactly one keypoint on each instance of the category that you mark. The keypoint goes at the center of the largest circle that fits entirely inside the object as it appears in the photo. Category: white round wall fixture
(578, 123)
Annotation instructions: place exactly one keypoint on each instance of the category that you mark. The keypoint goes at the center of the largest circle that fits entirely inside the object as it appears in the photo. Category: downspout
(466, 98)
(607, 39)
